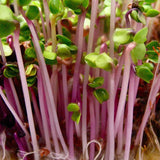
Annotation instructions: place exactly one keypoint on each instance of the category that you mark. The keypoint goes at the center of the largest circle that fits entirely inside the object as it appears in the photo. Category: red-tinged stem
(2, 52)
(129, 121)
(86, 75)
(125, 81)
(37, 112)
(25, 92)
(14, 113)
(79, 55)
(43, 26)
(110, 149)
(44, 111)
(46, 80)
(47, 13)
(112, 27)
(92, 127)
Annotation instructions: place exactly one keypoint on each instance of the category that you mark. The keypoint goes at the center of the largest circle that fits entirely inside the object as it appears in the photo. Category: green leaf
(73, 49)
(32, 12)
(63, 51)
(31, 70)
(144, 73)
(54, 6)
(123, 35)
(101, 95)
(73, 4)
(152, 56)
(63, 39)
(7, 50)
(7, 21)
(23, 2)
(85, 3)
(152, 13)
(90, 59)
(30, 53)
(152, 44)
(50, 57)
(97, 82)
(10, 71)
(73, 107)
(104, 61)
(141, 18)
(141, 36)
(150, 1)
(76, 116)
(138, 52)
(31, 80)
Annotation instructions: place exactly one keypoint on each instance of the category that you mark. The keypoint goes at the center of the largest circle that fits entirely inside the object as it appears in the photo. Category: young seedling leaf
(7, 50)
(144, 73)
(32, 12)
(141, 36)
(54, 6)
(123, 35)
(73, 107)
(152, 13)
(7, 21)
(141, 18)
(63, 39)
(10, 71)
(90, 59)
(30, 53)
(50, 57)
(31, 70)
(76, 116)
(23, 2)
(152, 56)
(31, 80)
(97, 82)
(101, 95)
(138, 52)
(85, 3)
(73, 4)
(152, 44)
(63, 51)
(104, 61)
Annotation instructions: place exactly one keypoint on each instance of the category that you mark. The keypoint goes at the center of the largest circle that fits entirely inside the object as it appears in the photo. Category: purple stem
(36, 110)
(129, 121)
(86, 75)
(79, 55)
(46, 80)
(44, 111)
(25, 92)
(127, 17)
(123, 94)
(110, 149)
(92, 127)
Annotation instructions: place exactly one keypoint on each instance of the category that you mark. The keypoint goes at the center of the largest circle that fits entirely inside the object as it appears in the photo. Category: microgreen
(32, 12)
(97, 82)
(152, 13)
(73, 71)
(10, 71)
(73, 107)
(104, 61)
(101, 95)
(141, 36)
(123, 35)
(23, 2)
(7, 21)
(54, 6)
(144, 72)
(138, 52)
